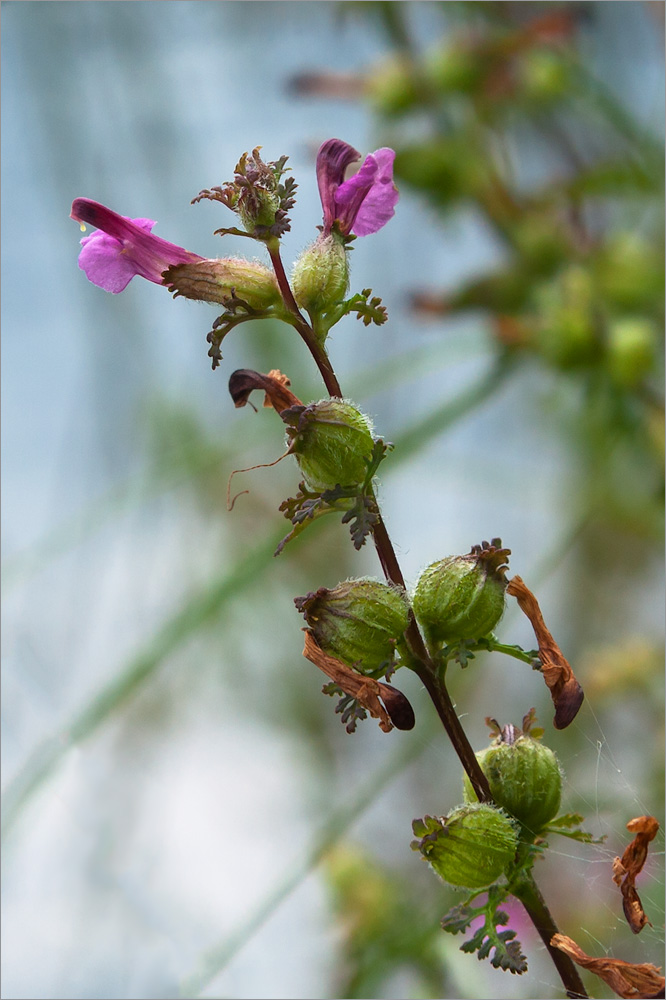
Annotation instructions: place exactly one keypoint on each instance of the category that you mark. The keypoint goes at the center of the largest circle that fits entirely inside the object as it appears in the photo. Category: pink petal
(123, 247)
(378, 206)
(352, 193)
(333, 158)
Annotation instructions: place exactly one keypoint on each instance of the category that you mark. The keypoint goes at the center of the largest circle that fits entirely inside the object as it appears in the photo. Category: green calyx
(524, 778)
(321, 275)
(359, 622)
(224, 280)
(472, 847)
(462, 597)
(332, 442)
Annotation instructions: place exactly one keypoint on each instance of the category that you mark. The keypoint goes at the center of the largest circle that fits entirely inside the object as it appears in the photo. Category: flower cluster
(121, 247)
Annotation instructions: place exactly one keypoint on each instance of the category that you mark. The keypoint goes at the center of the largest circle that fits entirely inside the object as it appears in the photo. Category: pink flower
(365, 202)
(122, 247)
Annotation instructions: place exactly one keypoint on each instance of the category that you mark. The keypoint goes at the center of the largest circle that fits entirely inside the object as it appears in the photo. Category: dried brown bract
(370, 693)
(243, 381)
(626, 868)
(627, 979)
(566, 692)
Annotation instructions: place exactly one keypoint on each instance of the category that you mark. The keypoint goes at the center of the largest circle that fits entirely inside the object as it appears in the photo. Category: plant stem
(529, 894)
(492, 646)
(303, 328)
(425, 670)
(526, 890)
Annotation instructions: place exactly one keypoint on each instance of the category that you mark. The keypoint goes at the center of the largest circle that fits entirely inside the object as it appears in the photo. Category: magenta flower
(122, 247)
(365, 202)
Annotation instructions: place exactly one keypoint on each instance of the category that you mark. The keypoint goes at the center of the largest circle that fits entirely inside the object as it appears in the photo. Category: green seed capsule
(321, 275)
(332, 443)
(358, 622)
(524, 778)
(631, 349)
(472, 847)
(462, 597)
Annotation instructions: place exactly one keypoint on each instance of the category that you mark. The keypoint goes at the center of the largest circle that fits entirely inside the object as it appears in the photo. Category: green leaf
(370, 310)
(506, 950)
(460, 917)
(301, 510)
(564, 826)
(362, 519)
(358, 505)
(236, 311)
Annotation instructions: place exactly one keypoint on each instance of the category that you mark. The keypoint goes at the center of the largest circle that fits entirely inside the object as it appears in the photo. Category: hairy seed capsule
(358, 622)
(218, 280)
(321, 275)
(462, 597)
(472, 847)
(524, 778)
(332, 443)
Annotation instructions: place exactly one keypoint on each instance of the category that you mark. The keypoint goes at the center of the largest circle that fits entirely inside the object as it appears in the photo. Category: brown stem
(425, 669)
(304, 329)
(422, 664)
(529, 894)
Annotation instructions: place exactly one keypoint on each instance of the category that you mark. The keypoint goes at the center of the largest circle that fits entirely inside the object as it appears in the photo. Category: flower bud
(631, 349)
(321, 275)
(566, 334)
(455, 68)
(630, 271)
(545, 76)
(332, 443)
(358, 622)
(524, 778)
(390, 87)
(462, 597)
(472, 847)
(217, 280)
(257, 207)
(257, 196)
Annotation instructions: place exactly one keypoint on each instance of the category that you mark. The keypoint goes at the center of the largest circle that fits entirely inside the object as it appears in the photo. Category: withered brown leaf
(370, 693)
(626, 868)
(629, 980)
(244, 380)
(566, 692)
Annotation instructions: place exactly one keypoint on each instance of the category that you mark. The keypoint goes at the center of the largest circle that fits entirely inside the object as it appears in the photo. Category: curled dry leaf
(566, 692)
(627, 979)
(626, 868)
(243, 381)
(370, 693)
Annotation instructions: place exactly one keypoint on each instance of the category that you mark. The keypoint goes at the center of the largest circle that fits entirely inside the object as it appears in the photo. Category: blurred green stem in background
(197, 611)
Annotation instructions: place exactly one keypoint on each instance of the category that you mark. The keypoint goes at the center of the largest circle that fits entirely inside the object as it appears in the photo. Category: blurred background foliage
(185, 815)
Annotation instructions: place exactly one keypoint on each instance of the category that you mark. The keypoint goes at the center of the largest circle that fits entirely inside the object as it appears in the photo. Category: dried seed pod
(462, 597)
(332, 442)
(359, 621)
(524, 777)
(472, 847)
